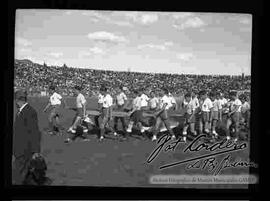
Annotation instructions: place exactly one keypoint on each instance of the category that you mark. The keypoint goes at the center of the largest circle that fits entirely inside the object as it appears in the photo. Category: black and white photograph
(107, 98)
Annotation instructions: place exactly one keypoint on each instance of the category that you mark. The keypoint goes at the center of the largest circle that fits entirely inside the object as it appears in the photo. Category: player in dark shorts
(136, 114)
(55, 102)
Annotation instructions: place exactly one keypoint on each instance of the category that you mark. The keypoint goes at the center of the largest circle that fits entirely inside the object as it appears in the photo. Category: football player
(190, 108)
(106, 103)
(121, 101)
(162, 114)
(233, 116)
(54, 102)
(205, 105)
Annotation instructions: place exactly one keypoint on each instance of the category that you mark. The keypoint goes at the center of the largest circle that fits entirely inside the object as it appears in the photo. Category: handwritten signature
(202, 161)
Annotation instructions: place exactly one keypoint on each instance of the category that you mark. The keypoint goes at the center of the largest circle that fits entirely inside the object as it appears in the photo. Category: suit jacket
(26, 134)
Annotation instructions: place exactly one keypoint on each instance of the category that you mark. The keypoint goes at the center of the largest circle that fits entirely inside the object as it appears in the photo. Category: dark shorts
(235, 117)
(79, 112)
(188, 120)
(104, 118)
(215, 115)
(120, 108)
(105, 113)
(205, 116)
(137, 116)
(55, 110)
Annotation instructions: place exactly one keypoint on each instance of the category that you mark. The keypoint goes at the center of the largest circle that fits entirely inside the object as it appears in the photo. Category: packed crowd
(36, 78)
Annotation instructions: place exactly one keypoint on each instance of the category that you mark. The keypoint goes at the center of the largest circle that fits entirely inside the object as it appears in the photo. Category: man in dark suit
(26, 138)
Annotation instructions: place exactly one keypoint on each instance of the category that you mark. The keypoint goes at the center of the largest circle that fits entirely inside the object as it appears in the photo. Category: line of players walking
(206, 110)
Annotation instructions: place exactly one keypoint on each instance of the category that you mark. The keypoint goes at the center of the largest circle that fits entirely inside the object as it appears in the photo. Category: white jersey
(207, 105)
(153, 102)
(136, 103)
(172, 99)
(236, 103)
(223, 102)
(80, 100)
(121, 98)
(195, 102)
(245, 107)
(55, 99)
(189, 106)
(100, 98)
(144, 100)
(216, 105)
(166, 100)
(219, 104)
(226, 107)
(106, 101)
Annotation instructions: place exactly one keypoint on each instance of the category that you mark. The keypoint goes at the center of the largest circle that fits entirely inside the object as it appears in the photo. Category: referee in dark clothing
(26, 138)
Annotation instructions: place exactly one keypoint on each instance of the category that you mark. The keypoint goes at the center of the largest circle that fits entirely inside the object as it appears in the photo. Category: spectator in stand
(38, 76)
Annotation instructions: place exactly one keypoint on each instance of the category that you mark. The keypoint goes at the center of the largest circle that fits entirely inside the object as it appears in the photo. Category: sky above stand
(157, 42)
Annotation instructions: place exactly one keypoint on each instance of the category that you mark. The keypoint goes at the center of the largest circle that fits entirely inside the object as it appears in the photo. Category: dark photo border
(68, 192)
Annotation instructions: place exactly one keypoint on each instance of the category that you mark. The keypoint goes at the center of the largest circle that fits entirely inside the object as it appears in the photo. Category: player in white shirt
(121, 102)
(135, 114)
(54, 102)
(106, 103)
(205, 105)
(195, 100)
(215, 112)
(173, 101)
(234, 116)
(224, 107)
(190, 108)
(153, 105)
(196, 105)
(162, 114)
(144, 100)
(245, 110)
(153, 101)
(80, 110)
(223, 100)
(96, 118)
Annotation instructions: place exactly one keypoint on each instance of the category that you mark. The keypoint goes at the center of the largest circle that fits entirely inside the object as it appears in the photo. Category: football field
(115, 162)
